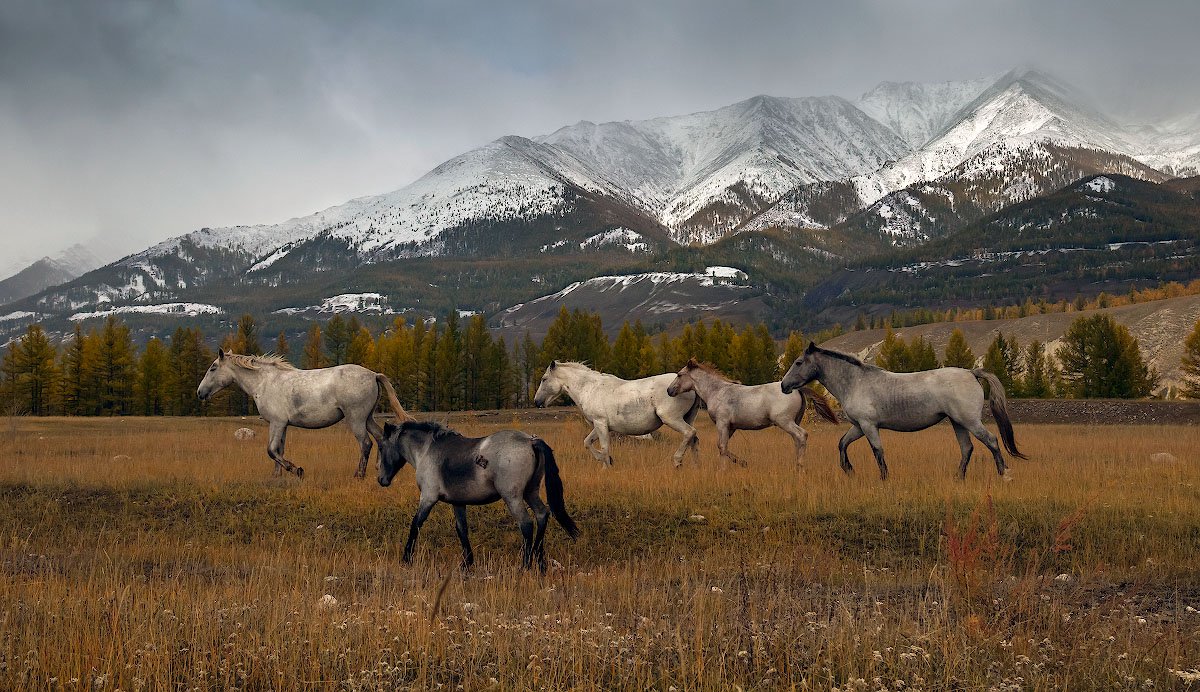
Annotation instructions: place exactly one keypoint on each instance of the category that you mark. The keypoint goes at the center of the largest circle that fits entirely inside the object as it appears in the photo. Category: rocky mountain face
(790, 190)
(48, 271)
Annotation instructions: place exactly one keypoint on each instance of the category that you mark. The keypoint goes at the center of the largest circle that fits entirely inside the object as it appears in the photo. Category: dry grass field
(160, 554)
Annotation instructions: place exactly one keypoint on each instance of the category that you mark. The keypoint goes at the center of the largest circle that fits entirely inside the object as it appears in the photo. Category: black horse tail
(820, 404)
(999, 410)
(554, 488)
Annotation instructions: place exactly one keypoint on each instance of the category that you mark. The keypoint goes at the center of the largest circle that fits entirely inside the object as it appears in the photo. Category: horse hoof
(299, 472)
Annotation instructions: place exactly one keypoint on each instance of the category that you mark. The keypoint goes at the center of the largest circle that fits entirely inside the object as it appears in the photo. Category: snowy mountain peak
(918, 110)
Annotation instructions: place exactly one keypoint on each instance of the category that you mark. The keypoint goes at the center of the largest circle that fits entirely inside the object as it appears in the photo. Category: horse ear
(553, 364)
(693, 363)
(812, 347)
(220, 354)
(389, 428)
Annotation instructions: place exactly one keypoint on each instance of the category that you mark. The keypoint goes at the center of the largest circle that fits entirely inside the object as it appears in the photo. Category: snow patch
(1101, 184)
(188, 309)
(375, 303)
(18, 315)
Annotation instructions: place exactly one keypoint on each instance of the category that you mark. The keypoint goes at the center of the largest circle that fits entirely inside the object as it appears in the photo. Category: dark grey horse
(875, 399)
(507, 465)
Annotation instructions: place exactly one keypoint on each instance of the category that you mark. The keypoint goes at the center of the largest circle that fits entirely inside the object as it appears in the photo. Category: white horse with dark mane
(305, 398)
(875, 399)
(615, 405)
(735, 406)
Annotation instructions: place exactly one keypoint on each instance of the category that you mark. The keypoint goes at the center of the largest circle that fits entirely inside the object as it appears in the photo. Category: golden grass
(183, 564)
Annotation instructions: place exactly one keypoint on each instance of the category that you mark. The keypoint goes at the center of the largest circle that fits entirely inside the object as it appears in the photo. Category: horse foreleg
(851, 435)
(278, 434)
(460, 526)
(965, 445)
(589, 444)
(419, 518)
(799, 438)
(724, 433)
(872, 435)
(525, 524)
(541, 514)
(605, 454)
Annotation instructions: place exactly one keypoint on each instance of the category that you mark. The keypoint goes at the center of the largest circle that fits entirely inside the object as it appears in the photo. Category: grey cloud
(139, 120)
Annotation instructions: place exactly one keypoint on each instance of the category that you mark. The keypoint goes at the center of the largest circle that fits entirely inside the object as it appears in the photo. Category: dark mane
(438, 430)
(709, 368)
(843, 356)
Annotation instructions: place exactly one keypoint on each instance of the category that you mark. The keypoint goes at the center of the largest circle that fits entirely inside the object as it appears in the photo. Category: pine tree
(1002, 360)
(625, 353)
(1037, 382)
(9, 376)
(153, 372)
(1100, 358)
(446, 380)
(793, 348)
(337, 340)
(361, 349)
(1191, 364)
(314, 353)
(71, 369)
(921, 355)
(246, 337)
(115, 368)
(282, 349)
(958, 353)
(893, 353)
(188, 358)
(37, 372)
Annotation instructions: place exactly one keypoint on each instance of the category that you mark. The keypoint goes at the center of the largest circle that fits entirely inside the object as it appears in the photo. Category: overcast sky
(137, 121)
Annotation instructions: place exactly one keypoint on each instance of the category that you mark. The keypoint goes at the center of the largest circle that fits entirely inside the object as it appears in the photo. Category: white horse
(611, 404)
(734, 406)
(305, 398)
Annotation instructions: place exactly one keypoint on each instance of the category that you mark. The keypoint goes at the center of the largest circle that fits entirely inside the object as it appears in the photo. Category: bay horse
(507, 465)
(875, 399)
(612, 404)
(734, 406)
(309, 399)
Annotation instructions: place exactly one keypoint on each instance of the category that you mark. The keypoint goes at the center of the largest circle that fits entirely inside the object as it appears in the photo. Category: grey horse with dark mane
(508, 465)
(734, 406)
(875, 399)
(305, 398)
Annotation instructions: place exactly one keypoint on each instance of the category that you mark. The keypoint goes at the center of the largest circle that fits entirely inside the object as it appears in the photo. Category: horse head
(803, 370)
(218, 376)
(391, 453)
(551, 386)
(683, 381)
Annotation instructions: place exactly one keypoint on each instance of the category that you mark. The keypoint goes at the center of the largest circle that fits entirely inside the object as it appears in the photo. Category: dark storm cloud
(140, 120)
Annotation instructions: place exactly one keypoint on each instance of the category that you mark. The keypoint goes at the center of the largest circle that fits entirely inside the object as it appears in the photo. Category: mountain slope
(48, 271)
(918, 111)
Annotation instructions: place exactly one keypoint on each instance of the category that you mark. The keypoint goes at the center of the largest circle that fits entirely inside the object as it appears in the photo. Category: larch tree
(1100, 358)
(1190, 366)
(958, 352)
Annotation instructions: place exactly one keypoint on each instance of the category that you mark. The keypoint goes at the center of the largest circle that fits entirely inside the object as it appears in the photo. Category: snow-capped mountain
(1022, 136)
(905, 163)
(703, 174)
(48, 271)
(918, 111)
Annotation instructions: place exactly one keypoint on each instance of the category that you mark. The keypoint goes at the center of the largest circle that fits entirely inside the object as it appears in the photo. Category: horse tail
(554, 487)
(999, 410)
(393, 401)
(820, 404)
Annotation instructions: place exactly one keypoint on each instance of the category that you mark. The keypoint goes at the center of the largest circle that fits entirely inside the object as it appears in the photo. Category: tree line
(440, 365)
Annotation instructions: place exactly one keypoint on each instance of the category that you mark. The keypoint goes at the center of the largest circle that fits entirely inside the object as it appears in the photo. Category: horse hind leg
(460, 527)
(799, 437)
(361, 433)
(964, 444)
(278, 435)
(724, 433)
(541, 514)
(989, 440)
(525, 524)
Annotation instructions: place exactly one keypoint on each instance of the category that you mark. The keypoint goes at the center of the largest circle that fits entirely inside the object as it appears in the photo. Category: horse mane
(438, 430)
(711, 369)
(573, 364)
(273, 360)
(853, 360)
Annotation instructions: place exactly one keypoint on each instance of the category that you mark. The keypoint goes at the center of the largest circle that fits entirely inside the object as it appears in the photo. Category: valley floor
(156, 553)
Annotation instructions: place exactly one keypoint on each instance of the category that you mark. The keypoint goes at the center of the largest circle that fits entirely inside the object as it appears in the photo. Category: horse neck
(836, 375)
(706, 383)
(575, 379)
(251, 381)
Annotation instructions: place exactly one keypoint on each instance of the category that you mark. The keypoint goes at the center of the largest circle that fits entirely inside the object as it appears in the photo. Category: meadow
(159, 553)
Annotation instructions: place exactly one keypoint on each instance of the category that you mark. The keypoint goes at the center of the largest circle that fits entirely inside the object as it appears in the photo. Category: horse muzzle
(672, 390)
(788, 387)
(384, 482)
